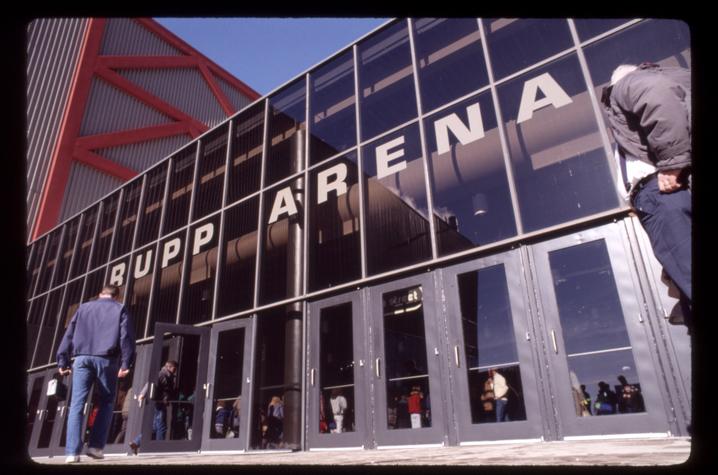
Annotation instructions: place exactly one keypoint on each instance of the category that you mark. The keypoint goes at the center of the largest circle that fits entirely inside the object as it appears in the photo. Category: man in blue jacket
(101, 338)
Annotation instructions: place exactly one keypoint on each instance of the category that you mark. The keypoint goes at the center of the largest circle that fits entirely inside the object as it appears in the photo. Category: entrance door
(494, 382)
(188, 346)
(49, 424)
(406, 363)
(338, 395)
(227, 387)
(598, 336)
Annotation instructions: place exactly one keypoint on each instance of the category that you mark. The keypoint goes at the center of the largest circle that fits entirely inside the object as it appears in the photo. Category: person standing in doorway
(414, 406)
(501, 395)
(649, 112)
(339, 406)
(101, 339)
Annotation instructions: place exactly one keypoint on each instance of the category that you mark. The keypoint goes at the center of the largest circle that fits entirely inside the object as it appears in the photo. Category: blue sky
(265, 53)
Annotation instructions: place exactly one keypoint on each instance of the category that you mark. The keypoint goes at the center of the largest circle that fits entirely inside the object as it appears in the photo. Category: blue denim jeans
(86, 370)
(501, 414)
(159, 423)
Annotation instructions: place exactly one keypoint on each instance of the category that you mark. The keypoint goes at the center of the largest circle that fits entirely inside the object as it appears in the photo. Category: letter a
(283, 203)
(555, 96)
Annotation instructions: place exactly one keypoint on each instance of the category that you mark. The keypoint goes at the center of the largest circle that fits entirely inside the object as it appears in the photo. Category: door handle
(84, 409)
(206, 386)
(62, 411)
(40, 413)
(152, 391)
(311, 376)
(553, 340)
(377, 367)
(456, 356)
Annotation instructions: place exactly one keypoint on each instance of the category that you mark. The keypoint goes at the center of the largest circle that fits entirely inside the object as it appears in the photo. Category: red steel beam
(148, 62)
(104, 165)
(124, 137)
(59, 170)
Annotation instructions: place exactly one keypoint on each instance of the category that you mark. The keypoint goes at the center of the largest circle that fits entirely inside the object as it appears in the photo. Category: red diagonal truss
(71, 147)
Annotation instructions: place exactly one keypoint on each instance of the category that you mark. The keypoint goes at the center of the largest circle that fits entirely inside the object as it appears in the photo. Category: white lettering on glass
(283, 203)
(171, 249)
(466, 135)
(383, 157)
(553, 96)
(324, 186)
(202, 235)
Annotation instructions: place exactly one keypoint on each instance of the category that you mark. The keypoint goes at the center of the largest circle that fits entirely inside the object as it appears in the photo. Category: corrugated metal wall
(238, 100)
(141, 156)
(109, 110)
(125, 37)
(183, 88)
(53, 47)
(85, 186)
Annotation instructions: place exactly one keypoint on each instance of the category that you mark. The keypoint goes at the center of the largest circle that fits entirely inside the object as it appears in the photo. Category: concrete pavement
(606, 452)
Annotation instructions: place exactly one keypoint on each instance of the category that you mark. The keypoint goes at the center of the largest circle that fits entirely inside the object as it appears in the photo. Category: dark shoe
(134, 447)
(95, 453)
(676, 317)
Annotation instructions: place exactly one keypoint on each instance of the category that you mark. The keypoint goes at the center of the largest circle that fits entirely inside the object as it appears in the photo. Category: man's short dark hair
(172, 363)
(111, 290)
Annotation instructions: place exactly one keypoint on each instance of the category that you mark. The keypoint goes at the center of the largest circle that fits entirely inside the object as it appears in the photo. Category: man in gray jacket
(101, 339)
(649, 111)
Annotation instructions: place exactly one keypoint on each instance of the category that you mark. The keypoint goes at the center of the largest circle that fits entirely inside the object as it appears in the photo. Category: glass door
(603, 371)
(495, 391)
(406, 363)
(172, 416)
(338, 395)
(50, 414)
(228, 386)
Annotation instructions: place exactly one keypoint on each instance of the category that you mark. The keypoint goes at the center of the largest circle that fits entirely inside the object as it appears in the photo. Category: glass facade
(427, 141)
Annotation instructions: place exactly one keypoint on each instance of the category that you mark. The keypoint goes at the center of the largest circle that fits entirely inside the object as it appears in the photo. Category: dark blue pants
(667, 219)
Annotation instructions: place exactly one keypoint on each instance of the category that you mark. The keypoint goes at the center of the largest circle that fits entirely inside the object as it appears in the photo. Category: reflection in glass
(407, 378)
(138, 290)
(236, 289)
(386, 81)
(180, 189)
(101, 253)
(47, 331)
(93, 284)
(559, 163)
(490, 345)
(595, 337)
(245, 166)
(210, 177)
(33, 402)
(450, 59)
(152, 205)
(87, 234)
(128, 218)
(287, 124)
(167, 286)
(35, 265)
(336, 370)
(72, 301)
(124, 396)
(472, 204)
(37, 308)
(228, 384)
(333, 113)
(66, 253)
(395, 202)
(53, 248)
(334, 246)
(197, 299)
(515, 43)
(590, 27)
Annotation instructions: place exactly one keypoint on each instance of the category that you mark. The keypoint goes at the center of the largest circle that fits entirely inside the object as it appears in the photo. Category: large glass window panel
(450, 59)
(596, 341)
(128, 218)
(167, 287)
(33, 404)
(36, 266)
(87, 234)
(180, 189)
(515, 44)
(287, 125)
(228, 384)
(472, 202)
(245, 167)
(386, 80)
(590, 27)
(490, 347)
(236, 286)
(107, 229)
(50, 261)
(280, 258)
(210, 176)
(73, 297)
(333, 109)
(407, 378)
(124, 398)
(93, 284)
(67, 252)
(334, 243)
(141, 274)
(336, 370)
(47, 330)
(199, 289)
(152, 206)
(34, 320)
(118, 274)
(268, 382)
(395, 202)
(559, 164)
(666, 42)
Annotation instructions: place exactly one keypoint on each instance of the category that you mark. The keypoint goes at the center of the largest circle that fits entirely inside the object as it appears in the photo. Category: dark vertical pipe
(293, 326)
